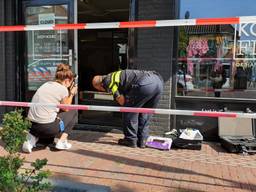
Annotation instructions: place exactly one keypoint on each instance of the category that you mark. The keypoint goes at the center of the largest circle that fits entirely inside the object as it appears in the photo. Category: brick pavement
(96, 159)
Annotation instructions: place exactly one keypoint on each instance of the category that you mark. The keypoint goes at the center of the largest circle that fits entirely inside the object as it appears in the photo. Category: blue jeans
(145, 93)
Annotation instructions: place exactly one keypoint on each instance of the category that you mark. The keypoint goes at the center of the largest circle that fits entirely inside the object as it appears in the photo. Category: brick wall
(7, 54)
(155, 51)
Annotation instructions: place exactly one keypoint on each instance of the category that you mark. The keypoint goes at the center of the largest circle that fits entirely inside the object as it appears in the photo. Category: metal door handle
(70, 57)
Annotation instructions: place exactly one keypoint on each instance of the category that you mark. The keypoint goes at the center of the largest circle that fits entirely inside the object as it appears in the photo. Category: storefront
(215, 68)
(204, 67)
(89, 52)
(34, 55)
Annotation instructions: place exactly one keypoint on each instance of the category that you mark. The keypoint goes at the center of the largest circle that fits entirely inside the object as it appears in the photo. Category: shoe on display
(63, 145)
(29, 143)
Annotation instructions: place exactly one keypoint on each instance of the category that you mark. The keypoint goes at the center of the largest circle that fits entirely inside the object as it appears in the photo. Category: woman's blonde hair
(63, 72)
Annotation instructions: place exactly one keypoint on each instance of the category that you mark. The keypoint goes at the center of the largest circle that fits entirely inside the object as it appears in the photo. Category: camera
(74, 82)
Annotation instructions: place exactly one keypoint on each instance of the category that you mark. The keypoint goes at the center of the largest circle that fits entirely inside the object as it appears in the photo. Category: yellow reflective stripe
(112, 81)
(114, 89)
(115, 78)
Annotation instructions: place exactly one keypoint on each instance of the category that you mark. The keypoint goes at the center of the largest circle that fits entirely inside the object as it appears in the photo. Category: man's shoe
(29, 143)
(141, 144)
(63, 145)
(127, 143)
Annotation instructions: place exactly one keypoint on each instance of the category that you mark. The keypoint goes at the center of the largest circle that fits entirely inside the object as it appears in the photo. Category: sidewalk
(96, 159)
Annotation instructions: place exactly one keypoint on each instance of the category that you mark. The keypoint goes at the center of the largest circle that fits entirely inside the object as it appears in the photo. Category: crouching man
(133, 88)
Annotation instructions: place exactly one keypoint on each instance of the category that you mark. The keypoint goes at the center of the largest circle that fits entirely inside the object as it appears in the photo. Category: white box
(235, 127)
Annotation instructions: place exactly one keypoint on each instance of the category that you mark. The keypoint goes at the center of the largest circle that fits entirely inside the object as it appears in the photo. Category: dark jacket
(128, 78)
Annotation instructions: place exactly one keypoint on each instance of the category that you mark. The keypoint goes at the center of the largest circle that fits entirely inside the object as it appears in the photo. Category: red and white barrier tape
(134, 110)
(133, 24)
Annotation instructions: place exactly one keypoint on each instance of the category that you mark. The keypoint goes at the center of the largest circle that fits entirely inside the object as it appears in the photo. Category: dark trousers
(51, 130)
(145, 93)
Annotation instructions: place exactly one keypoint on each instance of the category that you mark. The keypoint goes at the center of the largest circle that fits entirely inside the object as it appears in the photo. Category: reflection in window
(216, 60)
(45, 49)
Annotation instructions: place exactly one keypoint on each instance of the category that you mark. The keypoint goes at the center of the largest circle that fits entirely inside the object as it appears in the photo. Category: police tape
(132, 110)
(133, 24)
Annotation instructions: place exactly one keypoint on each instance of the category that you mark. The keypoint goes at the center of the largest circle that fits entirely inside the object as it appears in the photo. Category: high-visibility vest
(115, 80)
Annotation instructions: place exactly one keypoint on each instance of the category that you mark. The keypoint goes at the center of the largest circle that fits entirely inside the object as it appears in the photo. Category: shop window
(217, 60)
(45, 48)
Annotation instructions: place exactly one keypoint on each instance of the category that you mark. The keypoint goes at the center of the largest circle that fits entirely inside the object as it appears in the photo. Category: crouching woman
(49, 121)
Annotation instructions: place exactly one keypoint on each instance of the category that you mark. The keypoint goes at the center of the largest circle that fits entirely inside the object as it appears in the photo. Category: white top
(49, 92)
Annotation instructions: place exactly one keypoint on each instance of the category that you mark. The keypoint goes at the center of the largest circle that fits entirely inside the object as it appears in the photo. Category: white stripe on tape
(248, 19)
(246, 115)
(102, 25)
(103, 108)
(40, 104)
(38, 27)
(173, 112)
(125, 109)
(181, 22)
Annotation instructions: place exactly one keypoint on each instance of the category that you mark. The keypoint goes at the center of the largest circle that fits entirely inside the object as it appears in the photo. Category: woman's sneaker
(63, 145)
(29, 143)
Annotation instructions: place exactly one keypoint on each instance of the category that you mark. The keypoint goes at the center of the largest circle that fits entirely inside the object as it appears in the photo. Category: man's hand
(121, 100)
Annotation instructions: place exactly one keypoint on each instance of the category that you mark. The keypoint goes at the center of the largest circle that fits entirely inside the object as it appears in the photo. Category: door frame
(72, 37)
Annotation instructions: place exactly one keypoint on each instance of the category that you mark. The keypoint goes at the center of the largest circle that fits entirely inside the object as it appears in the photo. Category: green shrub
(12, 179)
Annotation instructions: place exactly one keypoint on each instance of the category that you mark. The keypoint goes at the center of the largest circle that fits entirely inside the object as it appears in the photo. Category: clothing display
(240, 79)
(202, 47)
(196, 47)
(253, 72)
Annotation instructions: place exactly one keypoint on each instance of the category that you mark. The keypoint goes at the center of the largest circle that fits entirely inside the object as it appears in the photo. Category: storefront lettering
(46, 42)
(246, 47)
(246, 42)
(245, 29)
(45, 22)
(209, 110)
(46, 19)
(46, 36)
(245, 64)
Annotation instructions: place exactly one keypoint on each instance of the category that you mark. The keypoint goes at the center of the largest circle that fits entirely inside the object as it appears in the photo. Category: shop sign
(246, 40)
(46, 43)
(46, 19)
(247, 29)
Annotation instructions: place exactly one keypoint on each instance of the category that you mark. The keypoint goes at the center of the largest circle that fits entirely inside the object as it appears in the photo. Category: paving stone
(97, 159)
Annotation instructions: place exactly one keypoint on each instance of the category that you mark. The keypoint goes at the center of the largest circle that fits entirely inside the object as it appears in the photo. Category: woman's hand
(73, 90)
(68, 99)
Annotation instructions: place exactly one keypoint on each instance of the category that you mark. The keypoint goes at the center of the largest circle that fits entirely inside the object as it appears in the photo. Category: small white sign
(46, 19)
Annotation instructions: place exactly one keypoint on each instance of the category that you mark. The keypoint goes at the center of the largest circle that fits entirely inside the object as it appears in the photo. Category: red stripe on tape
(15, 104)
(12, 28)
(69, 26)
(137, 110)
(217, 21)
(208, 114)
(137, 24)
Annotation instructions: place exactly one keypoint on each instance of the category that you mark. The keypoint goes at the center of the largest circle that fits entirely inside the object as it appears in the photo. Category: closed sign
(46, 19)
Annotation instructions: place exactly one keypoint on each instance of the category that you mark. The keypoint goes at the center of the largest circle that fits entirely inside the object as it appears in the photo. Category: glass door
(47, 48)
(101, 51)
